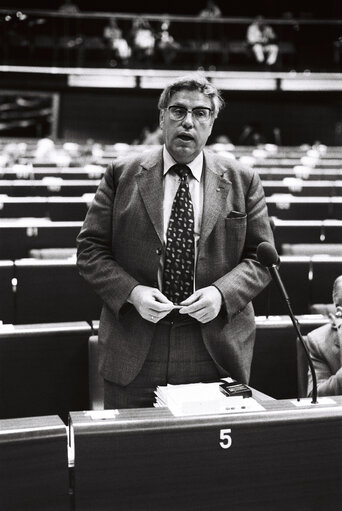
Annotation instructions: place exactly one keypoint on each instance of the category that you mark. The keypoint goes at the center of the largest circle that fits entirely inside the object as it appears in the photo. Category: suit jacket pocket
(235, 228)
(236, 215)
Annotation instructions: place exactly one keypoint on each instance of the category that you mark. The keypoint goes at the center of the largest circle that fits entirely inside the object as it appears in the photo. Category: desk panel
(307, 231)
(6, 292)
(33, 468)
(20, 236)
(44, 369)
(24, 188)
(280, 459)
(52, 290)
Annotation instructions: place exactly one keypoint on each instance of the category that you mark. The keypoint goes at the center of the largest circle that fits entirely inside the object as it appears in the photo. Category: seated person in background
(68, 7)
(337, 51)
(263, 41)
(211, 10)
(143, 40)
(325, 348)
(166, 44)
(116, 43)
(251, 134)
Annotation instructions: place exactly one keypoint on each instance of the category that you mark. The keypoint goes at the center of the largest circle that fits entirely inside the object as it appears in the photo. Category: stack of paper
(202, 398)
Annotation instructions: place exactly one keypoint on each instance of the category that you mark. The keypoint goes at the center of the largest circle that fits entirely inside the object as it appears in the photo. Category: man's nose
(188, 120)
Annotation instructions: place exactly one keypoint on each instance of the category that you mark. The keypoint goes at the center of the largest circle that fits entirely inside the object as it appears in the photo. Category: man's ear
(161, 119)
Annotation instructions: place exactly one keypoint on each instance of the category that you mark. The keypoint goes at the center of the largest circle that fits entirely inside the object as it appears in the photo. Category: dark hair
(192, 82)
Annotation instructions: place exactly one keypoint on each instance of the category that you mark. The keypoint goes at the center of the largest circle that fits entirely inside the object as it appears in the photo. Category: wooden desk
(283, 458)
(44, 369)
(33, 466)
(19, 236)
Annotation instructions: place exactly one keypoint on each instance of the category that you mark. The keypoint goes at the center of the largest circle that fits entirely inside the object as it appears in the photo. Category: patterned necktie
(178, 276)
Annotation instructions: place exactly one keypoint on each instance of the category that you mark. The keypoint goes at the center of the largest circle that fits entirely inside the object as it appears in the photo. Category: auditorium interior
(70, 103)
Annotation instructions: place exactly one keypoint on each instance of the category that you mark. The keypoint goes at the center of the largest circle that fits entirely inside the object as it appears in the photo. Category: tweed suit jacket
(325, 348)
(121, 242)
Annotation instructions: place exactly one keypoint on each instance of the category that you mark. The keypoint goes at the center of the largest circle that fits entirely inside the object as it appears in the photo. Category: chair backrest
(302, 368)
(96, 391)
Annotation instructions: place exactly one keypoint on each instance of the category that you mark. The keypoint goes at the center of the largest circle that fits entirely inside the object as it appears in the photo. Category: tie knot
(182, 170)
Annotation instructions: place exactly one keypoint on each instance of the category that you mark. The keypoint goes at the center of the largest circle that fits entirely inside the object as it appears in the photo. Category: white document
(202, 398)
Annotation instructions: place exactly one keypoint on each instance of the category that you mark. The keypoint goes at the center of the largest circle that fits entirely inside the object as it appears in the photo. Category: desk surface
(289, 409)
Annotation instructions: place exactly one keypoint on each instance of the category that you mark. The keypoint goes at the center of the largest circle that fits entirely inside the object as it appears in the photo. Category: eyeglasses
(201, 114)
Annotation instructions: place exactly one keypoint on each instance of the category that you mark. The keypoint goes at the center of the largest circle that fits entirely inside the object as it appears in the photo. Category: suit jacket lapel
(216, 188)
(150, 183)
(339, 338)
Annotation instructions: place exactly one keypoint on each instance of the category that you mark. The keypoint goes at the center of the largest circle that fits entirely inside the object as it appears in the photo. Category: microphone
(268, 256)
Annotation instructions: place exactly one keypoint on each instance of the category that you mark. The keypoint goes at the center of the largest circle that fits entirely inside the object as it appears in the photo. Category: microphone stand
(274, 271)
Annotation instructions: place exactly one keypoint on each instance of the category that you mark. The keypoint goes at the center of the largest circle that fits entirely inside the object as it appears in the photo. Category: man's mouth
(186, 137)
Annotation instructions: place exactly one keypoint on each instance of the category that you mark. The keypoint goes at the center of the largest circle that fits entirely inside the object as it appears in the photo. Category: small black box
(235, 388)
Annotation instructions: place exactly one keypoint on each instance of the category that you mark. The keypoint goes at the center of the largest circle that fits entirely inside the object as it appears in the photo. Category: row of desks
(84, 172)
(52, 368)
(20, 236)
(285, 456)
(49, 290)
(78, 187)
(57, 208)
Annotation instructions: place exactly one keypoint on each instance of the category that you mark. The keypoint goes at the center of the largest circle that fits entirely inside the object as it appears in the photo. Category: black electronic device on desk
(233, 388)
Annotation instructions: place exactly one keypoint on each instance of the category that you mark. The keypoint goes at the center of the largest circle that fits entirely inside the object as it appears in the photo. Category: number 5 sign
(226, 439)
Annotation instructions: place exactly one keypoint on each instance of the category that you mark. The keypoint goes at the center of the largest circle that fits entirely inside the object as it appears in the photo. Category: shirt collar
(195, 165)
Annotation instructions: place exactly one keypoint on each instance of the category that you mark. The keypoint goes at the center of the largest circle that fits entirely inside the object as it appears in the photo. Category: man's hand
(151, 304)
(203, 305)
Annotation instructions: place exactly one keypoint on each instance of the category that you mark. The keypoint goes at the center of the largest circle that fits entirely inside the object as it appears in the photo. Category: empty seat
(294, 272)
(325, 269)
(274, 365)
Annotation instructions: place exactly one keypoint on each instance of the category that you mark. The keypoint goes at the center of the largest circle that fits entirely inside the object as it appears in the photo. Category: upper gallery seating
(81, 40)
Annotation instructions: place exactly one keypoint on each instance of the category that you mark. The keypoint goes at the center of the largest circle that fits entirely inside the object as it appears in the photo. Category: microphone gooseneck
(268, 257)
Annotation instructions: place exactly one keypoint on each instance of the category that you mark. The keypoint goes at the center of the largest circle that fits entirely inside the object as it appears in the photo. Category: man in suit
(325, 348)
(175, 314)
